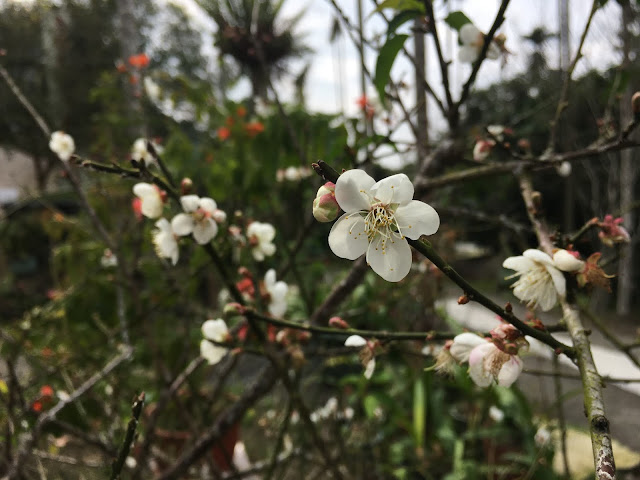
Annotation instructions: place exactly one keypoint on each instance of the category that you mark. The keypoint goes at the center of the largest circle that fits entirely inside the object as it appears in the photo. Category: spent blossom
(62, 144)
(379, 218)
(611, 232)
(199, 219)
(472, 41)
(151, 199)
(541, 279)
(367, 353)
(260, 236)
(213, 331)
(482, 149)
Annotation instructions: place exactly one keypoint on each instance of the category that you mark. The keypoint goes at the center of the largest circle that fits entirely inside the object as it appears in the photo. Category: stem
(118, 463)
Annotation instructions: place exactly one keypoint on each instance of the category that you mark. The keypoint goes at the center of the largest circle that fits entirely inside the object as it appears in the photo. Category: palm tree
(251, 33)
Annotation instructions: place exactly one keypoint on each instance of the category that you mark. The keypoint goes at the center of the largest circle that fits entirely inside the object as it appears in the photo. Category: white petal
(469, 34)
(519, 264)
(347, 238)
(270, 279)
(355, 341)
(417, 218)
(151, 206)
(494, 52)
(370, 368)
(215, 329)
(352, 190)
(538, 256)
(278, 307)
(467, 54)
(394, 189)
(209, 205)
(257, 254)
(463, 344)
(267, 249)
(182, 224)
(212, 353)
(392, 263)
(163, 225)
(478, 372)
(190, 203)
(559, 281)
(279, 291)
(567, 262)
(510, 371)
(204, 231)
(143, 190)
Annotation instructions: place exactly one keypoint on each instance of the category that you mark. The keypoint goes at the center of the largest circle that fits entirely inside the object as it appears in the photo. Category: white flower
(489, 364)
(496, 414)
(463, 344)
(165, 241)
(379, 216)
(540, 282)
(215, 330)
(277, 293)
(370, 368)
(261, 237)
(198, 220)
(140, 153)
(564, 169)
(542, 436)
(151, 199)
(355, 341)
(152, 89)
(108, 259)
(62, 144)
(482, 149)
(472, 41)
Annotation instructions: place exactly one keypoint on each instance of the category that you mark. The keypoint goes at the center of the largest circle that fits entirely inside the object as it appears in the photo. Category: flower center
(381, 221)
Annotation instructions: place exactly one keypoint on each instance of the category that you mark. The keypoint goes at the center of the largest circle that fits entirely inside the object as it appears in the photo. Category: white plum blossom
(379, 218)
(277, 291)
(62, 144)
(108, 259)
(261, 237)
(496, 414)
(482, 149)
(472, 41)
(165, 241)
(541, 280)
(489, 364)
(463, 344)
(564, 169)
(198, 219)
(355, 341)
(217, 331)
(140, 152)
(151, 199)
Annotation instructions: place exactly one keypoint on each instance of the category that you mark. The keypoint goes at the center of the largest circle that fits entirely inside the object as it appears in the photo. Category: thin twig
(118, 463)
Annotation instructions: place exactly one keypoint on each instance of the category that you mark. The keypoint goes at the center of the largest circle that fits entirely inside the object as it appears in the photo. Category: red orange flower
(254, 128)
(224, 133)
(139, 61)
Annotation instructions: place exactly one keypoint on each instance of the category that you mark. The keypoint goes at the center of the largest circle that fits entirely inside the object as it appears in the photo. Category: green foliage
(457, 20)
(387, 56)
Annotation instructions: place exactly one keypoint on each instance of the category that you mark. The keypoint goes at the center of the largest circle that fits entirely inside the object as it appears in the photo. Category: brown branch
(118, 463)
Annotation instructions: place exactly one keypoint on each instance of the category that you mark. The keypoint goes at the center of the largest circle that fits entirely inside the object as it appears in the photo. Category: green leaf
(402, 18)
(387, 56)
(456, 20)
(419, 409)
(400, 5)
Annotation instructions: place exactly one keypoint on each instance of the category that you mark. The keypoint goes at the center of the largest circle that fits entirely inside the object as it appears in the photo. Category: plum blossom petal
(391, 260)
(470, 34)
(261, 237)
(463, 344)
(417, 218)
(190, 203)
(62, 144)
(182, 224)
(370, 368)
(204, 231)
(209, 205)
(151, 203)
(510, 371)
(347, 238)
(467, 54)
(394, 189)
(567, 262)
(355, 341)
(352, 190)
(216, 331)
(277, 294)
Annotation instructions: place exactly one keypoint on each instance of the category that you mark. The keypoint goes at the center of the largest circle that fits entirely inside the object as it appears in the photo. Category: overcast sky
(330, 80)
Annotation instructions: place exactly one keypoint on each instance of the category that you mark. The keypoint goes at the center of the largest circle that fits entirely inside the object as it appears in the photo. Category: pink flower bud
(233, 310)
(337, 322)
(185, 186)
(325, 206)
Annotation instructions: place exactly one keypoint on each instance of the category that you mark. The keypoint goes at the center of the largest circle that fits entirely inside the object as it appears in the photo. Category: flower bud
(233, 309)
(325, 205)
(185, 186)
(564, 169)
(337, 322)
(567, 261)
(635, 105)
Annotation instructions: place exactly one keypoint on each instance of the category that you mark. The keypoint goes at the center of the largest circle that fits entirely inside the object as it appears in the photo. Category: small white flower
(140, 153)
(215, 330)
(277, 291)
(355, 341)
(370, 368)
(152, 89)
(379, 217)
(496, 414)
(482, 149)
(261, 237)
(151, 199)
(489, 364)
(564, 169)
(463, 344)
(472, 41)
(198, 220)
(165, 241)
(62, 144)
(540, 282)
(542, 436)
(108, 259)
